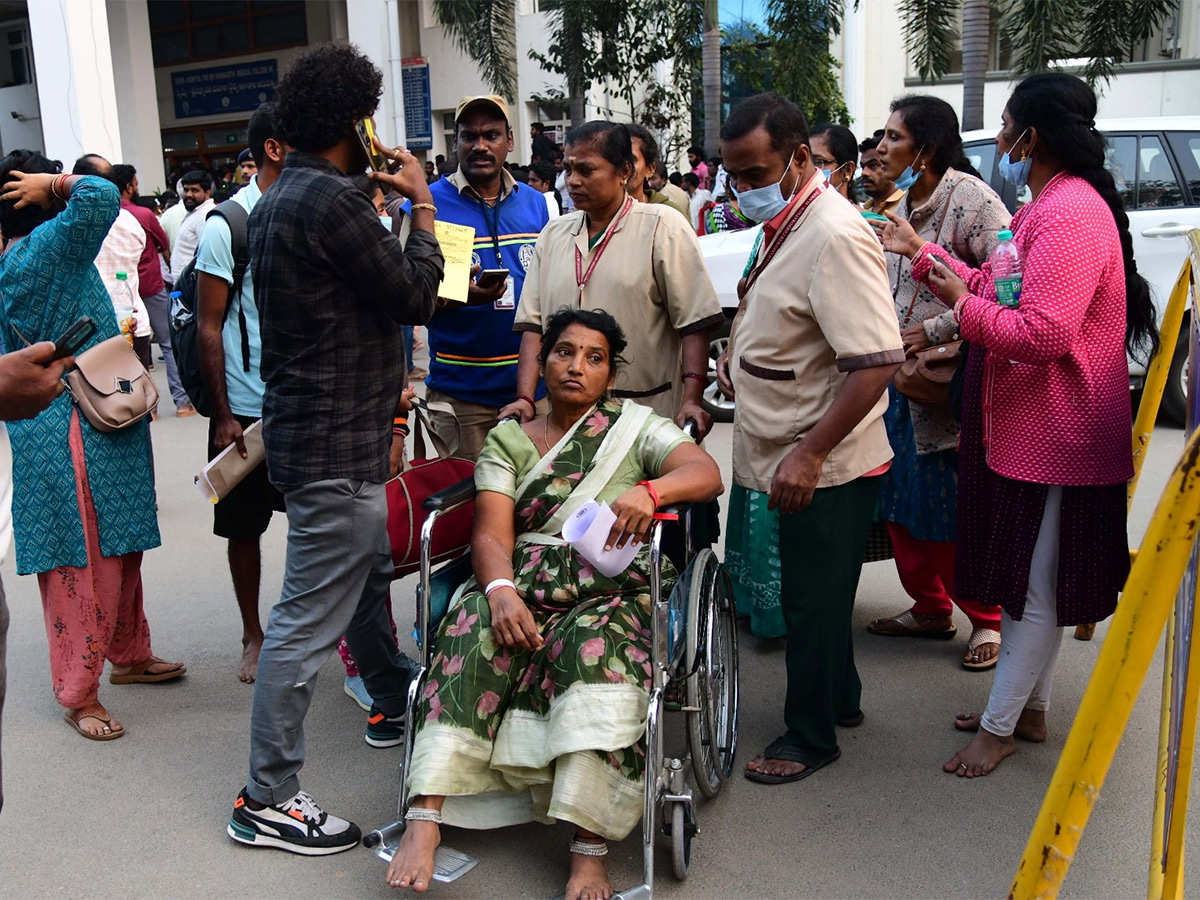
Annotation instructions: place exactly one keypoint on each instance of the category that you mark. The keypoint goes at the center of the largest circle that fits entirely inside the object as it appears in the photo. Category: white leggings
(1025, 669)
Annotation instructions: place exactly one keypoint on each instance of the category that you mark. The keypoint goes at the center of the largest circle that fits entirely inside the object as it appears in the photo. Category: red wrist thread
(653, 493)
(529, 400)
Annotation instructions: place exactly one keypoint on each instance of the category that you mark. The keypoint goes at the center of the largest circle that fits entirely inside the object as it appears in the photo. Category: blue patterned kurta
(47, 281)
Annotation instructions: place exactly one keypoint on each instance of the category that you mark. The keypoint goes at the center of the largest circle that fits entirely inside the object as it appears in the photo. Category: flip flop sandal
(138, 674)
(778, 749)
(979, 637)
(909, 626)
(109, 733)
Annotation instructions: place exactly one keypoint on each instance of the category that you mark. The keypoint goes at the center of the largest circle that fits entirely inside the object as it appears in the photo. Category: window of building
(211, 145)
(16, 55)
(192, 30)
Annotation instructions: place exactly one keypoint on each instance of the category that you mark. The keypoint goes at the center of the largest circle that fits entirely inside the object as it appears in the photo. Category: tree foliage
(1042, 33)
(485, 30)
(804, 69)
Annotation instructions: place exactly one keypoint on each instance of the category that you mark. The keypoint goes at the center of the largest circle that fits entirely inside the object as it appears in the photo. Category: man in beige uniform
(815, 345)
(652, 280)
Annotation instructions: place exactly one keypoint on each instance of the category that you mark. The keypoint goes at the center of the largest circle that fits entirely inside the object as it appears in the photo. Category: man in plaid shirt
(333, 289)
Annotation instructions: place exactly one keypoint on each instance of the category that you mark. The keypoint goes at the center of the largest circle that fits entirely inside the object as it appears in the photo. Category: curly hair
(323, 94)
(596, 320)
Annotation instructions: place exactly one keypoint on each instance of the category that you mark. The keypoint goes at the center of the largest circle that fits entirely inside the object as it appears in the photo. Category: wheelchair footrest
(448, 864)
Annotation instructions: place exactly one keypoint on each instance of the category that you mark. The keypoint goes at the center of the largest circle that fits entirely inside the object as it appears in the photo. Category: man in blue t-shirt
(237, 394)
(473, 350)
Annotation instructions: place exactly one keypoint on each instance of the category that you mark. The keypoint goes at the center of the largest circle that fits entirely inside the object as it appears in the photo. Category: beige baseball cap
(490, 99)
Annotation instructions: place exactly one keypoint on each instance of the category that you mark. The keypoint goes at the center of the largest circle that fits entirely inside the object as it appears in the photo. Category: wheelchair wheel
(711, 660)
(683, 829)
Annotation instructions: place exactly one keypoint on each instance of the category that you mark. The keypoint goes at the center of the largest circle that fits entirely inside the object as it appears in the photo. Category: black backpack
(185, 343)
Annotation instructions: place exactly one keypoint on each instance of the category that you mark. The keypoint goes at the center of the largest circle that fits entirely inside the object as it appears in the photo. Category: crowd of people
(570, 379)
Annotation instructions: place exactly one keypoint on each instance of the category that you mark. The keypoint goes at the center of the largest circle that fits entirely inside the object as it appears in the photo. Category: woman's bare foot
(248, 667)
(412, 866)
(783, 768)
(95, 721)
(588, 879)
(1031, 726)
(980, 756)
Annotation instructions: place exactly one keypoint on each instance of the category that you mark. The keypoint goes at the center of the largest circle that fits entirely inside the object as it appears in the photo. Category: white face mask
(386, 222)
(765, 203)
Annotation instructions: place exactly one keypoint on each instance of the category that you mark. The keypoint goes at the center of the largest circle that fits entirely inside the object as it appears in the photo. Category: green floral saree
(509, 735)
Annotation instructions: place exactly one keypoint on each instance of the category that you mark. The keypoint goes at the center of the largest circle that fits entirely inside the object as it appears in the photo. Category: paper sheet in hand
(228, 469)
(457, 243)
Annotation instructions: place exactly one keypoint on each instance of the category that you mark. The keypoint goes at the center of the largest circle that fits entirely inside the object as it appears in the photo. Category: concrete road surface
(145, 816)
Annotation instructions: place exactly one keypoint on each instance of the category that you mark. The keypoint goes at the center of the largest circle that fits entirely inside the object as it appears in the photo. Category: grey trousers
(158, 308)
(336, 579)
(3, 679)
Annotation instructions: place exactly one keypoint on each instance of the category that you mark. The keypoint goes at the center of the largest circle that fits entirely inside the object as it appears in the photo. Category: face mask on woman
(828, 174)
(765, 203)
(386, 222)
(1016, 172)
(909, 176)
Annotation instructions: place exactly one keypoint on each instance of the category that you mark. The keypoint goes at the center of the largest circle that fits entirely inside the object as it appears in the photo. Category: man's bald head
(93, 164)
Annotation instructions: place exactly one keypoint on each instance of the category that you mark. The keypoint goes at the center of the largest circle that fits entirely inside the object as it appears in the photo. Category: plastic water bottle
(122, 299)
(1006, 271)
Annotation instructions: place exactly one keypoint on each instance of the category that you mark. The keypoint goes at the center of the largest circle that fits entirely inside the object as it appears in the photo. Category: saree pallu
(510, 735)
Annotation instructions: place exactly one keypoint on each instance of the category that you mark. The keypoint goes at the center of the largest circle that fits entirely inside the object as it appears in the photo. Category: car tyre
(1174, 399)
(715, 403)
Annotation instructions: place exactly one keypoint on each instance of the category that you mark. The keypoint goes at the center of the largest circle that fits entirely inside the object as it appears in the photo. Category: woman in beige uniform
(640, 262)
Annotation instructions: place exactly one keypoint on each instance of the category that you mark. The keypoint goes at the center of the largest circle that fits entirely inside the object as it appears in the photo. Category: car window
(1120, 158)
(982, 155)
(1187, 153)
(1158, 188)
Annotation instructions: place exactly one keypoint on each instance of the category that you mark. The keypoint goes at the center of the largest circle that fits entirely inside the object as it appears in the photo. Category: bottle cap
(121, 276)
(1004, 235)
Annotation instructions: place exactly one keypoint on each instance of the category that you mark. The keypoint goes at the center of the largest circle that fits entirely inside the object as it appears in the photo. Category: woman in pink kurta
(1045, 449)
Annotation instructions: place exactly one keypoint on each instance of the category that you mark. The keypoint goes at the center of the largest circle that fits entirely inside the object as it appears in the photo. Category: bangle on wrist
(695, 375)
(498, 583)
(529, 400)
(400, 431)
(653, 493)
(428, 206)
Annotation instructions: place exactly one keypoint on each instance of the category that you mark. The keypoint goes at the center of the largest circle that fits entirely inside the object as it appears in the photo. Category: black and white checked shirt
(333, 289)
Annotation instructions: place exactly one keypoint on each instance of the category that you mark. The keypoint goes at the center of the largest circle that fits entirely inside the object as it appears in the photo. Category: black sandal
(780, 749)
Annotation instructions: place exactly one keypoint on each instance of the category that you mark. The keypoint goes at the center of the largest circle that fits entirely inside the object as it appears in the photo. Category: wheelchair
(694, 660)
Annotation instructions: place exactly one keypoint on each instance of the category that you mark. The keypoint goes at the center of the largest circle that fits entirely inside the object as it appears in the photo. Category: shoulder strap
(237, 218)
(936, 240)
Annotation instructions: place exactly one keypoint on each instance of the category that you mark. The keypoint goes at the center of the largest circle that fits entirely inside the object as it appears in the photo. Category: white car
(1156, 166)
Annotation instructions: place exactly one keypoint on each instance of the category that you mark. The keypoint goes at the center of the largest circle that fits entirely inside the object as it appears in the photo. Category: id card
(509, 300)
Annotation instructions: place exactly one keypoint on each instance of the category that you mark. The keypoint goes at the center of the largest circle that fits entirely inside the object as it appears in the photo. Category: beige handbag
(110, 385)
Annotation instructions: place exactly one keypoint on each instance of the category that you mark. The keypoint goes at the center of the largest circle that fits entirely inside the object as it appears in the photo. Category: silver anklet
(586, 848)
(423, 814)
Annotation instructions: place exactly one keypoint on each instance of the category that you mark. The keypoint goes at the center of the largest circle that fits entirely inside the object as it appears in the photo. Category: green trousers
(821, 549)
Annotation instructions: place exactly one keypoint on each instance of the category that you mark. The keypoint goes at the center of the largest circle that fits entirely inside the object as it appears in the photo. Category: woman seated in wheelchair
(535, 703)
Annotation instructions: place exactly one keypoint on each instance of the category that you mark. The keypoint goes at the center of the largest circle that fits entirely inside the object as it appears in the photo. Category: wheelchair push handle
(449, 497)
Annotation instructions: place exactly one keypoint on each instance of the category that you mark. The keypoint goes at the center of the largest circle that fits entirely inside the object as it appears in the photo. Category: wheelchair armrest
(454, 495)
(675, 509)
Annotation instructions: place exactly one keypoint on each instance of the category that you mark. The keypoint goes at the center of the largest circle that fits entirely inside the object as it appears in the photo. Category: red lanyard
(582, 277)
(784, 231)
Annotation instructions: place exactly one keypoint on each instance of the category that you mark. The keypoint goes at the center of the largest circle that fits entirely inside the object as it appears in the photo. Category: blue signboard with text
(418, 105)
(241, 87)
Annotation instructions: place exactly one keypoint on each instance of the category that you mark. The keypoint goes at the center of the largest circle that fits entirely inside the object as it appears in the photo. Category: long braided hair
(1062, 109)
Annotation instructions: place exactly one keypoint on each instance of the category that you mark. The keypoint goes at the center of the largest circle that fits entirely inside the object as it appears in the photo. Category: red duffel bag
(424, 476)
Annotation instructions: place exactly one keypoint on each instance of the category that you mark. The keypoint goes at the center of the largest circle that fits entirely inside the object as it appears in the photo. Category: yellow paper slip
(458, 243)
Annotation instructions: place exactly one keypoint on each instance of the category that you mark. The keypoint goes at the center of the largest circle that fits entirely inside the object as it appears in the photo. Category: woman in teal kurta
(83, 500)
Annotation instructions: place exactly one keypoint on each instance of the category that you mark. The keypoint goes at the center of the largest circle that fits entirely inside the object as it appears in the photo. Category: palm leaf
(928, 30)
(1112, 27)
(484, 30)
(1042, 31)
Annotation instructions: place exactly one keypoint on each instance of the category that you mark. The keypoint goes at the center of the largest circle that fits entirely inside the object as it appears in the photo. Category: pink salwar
(93, 613)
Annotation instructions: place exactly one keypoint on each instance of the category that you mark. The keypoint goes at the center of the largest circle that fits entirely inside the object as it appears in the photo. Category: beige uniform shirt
(674, 197)
(820, 310)
(651, 279)
(886, 206)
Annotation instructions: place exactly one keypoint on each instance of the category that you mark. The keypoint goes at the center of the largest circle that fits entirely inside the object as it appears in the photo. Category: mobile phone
(366, 137)
(490, 278)
(73, 338)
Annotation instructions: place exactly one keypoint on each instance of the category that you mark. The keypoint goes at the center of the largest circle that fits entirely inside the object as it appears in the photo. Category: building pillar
(137, 97)
(76, 92)
(854, 65)
(369, 29)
